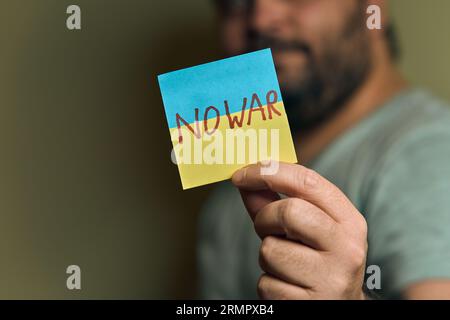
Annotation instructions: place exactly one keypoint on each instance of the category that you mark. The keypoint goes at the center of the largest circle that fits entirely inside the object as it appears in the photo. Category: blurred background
(85, 170)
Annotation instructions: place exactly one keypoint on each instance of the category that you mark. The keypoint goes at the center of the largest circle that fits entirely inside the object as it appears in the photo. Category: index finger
(297, 181)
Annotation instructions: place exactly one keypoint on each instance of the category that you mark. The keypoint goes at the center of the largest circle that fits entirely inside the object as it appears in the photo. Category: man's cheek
(318, 19)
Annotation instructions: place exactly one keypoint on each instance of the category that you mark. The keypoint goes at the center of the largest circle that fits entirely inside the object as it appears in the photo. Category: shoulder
(403, 143)
(412, 118)
(412, 152)
(418, 130)
(413, 124)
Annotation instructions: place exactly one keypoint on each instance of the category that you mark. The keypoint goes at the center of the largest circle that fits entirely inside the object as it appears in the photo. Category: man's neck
(381, 86)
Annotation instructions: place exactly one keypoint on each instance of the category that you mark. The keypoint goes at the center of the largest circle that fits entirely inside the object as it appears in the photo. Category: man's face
(321, 51)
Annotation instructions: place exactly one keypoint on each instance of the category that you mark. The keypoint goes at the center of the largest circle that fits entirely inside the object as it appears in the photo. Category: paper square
(224, 115)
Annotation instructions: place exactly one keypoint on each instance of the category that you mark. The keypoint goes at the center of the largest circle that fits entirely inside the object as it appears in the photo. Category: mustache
(258, 41)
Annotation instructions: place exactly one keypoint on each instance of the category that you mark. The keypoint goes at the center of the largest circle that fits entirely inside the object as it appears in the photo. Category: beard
(328, 78)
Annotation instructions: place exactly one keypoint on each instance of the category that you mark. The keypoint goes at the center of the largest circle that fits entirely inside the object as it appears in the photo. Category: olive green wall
(424, 32)
(85, 173)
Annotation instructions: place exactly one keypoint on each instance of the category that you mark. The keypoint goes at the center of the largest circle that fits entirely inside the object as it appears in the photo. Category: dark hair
(228, 6)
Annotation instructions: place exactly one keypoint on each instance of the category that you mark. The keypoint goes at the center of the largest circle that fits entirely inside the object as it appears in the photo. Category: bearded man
(373, 183)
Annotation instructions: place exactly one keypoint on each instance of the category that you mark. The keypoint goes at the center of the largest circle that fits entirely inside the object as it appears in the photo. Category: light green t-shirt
(395, 168)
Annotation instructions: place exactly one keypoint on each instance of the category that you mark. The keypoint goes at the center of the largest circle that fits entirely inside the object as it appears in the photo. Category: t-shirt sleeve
(409, 211)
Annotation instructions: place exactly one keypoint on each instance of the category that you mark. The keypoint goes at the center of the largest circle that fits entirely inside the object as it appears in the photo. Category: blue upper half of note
(210, 84)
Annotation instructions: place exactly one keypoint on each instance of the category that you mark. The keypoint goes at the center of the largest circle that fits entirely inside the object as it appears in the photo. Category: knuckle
(363, 226)
(309, 179)
(266, 249)
(332, 229)
(262, 286)
(289, 212)
(343, 286)
(360, 228)
(357, 255)
(340, 284)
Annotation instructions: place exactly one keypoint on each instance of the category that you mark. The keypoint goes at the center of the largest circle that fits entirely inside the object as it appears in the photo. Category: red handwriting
(233, 121)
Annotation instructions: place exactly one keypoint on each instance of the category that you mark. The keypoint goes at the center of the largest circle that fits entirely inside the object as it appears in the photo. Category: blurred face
(320, 47)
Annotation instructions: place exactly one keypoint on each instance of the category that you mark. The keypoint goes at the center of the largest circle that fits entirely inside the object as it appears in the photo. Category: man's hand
(314, 242)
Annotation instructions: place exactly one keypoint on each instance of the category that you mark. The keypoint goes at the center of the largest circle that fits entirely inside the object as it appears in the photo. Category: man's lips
(285, 57)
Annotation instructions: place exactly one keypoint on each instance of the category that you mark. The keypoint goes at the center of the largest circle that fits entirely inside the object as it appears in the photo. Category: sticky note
(224, 115)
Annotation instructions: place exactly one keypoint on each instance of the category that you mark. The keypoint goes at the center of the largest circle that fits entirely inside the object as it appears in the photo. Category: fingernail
(238, 176)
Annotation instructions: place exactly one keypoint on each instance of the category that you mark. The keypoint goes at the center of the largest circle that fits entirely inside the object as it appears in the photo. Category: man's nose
(268, 17)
